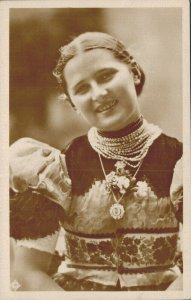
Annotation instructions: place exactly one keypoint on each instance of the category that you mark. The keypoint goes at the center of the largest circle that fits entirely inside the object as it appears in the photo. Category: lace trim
(46, 244)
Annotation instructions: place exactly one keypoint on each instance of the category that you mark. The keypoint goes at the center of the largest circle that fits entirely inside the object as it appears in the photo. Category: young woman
(116, 191)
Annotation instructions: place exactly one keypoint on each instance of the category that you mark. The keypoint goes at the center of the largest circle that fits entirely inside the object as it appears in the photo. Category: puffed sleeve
(176, 190)
(39, 194)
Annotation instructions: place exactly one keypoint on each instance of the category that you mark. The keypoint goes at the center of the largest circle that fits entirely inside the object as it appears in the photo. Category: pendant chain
(129, 150)
(105, 175)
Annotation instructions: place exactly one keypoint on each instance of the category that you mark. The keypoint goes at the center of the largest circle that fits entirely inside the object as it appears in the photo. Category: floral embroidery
(91, 247)
(150, 251)
(105, 247)
(164, 248)
(130, 252)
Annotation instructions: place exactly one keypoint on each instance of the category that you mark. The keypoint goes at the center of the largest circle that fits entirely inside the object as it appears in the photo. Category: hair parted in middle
(97, 40)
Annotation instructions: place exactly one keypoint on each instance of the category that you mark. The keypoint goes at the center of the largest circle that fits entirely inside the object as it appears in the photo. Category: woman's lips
(106, 106)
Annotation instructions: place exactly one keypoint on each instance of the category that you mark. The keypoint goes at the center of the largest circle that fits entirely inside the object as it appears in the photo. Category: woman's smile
(106, 106)
(102, 88)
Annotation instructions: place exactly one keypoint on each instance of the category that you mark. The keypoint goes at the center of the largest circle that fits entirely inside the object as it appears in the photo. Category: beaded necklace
(131, 148)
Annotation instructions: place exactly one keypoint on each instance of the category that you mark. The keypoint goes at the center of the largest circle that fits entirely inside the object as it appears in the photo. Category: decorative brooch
(122, 182)
(120, 179)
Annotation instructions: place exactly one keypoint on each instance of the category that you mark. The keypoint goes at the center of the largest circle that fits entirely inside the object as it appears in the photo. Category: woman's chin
(111, 126)
(115, 123)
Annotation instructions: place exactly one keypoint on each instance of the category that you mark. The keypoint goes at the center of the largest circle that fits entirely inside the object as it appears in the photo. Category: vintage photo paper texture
(156, 33)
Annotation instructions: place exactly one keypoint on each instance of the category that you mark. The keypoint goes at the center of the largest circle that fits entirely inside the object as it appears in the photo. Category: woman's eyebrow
(104, 70)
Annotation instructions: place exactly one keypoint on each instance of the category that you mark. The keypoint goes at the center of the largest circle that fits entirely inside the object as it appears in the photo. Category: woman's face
(102, 89)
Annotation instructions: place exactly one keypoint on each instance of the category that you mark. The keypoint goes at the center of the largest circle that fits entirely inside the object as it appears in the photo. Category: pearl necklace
(130, 149)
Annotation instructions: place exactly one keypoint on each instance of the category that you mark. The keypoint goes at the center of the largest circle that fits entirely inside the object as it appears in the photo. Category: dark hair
(96, 40)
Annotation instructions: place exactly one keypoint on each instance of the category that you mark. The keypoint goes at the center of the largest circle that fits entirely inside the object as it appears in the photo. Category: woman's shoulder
(168, 147)
(168, 141)
(78, 154)
(79, 151)
(76, 144)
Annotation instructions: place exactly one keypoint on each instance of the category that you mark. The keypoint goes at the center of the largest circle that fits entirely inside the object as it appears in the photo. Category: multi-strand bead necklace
(131, 148)
(128, 150)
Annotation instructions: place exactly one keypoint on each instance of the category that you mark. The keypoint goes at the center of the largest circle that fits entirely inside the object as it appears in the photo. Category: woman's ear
(65, 99)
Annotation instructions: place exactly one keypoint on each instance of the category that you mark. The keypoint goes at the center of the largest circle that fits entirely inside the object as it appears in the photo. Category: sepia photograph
(96, 150)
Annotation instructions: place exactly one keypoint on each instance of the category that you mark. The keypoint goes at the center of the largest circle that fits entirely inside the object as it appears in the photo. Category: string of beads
(131, 148)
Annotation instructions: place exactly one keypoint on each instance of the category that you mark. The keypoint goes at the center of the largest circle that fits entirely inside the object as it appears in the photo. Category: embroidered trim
(129, 251)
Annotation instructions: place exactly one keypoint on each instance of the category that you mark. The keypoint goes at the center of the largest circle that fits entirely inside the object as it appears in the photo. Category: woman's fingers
(46, 152)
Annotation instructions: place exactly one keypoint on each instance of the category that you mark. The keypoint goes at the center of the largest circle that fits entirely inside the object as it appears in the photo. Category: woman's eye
(82, 89)
(105, 77)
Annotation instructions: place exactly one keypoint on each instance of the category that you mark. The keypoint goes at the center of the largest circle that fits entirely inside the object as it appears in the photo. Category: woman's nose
(98, 91)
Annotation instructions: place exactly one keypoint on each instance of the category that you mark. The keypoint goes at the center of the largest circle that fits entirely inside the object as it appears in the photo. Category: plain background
(152, 35)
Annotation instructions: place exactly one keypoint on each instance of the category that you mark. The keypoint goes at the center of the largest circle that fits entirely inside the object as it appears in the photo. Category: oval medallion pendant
(117, 211)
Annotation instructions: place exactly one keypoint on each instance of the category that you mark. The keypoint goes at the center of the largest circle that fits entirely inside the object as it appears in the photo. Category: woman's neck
(124, 131)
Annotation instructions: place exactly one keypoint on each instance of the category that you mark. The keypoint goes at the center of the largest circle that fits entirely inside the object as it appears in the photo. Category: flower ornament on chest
(141, 190)
(120, 180)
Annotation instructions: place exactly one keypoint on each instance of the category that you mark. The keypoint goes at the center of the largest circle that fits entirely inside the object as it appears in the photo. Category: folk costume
(118, 198)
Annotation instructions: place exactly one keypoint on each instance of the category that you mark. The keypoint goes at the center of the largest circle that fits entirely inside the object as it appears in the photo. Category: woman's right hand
(28, 158)
(40, 167)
